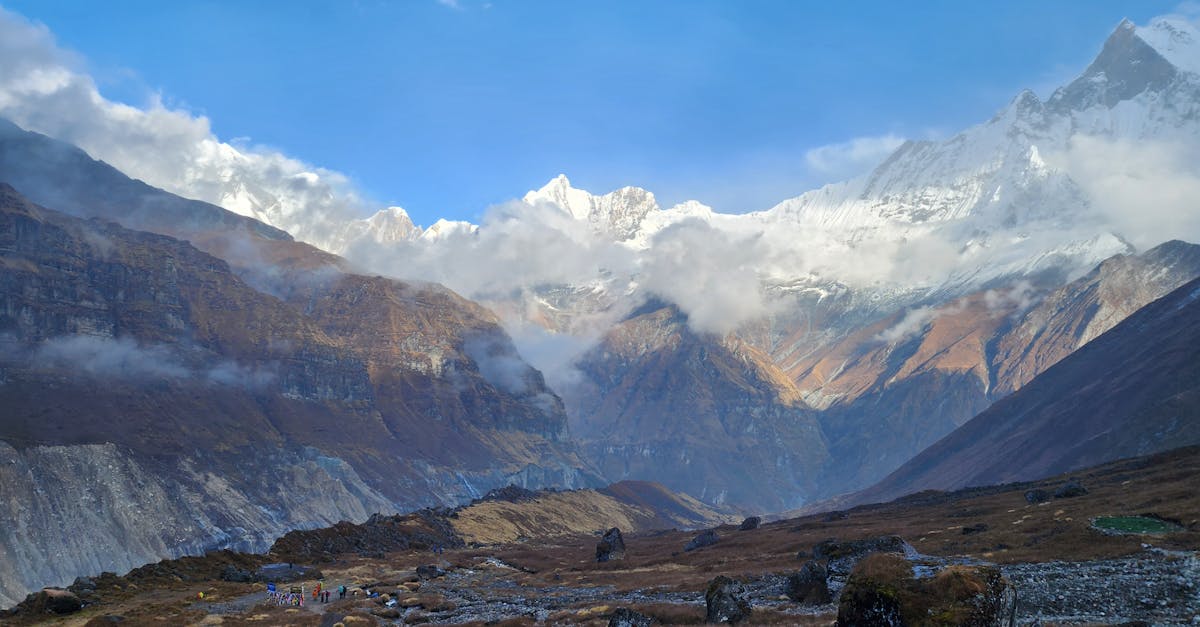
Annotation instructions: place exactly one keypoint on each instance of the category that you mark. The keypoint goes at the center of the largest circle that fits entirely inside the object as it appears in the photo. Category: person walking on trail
(342, 592)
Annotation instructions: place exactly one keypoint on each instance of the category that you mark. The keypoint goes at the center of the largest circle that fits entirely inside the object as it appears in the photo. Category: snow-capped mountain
(618, 214)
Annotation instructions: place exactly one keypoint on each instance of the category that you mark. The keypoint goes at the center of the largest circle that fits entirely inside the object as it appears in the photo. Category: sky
(448, 107)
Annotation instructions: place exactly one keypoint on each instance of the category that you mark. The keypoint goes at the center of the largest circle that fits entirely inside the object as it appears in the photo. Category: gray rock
(1072, 488)
(611, 546)
(810, 586)
(725, 601)
(750, 523)
(708, 538)
(1035, 496)
(625, 617)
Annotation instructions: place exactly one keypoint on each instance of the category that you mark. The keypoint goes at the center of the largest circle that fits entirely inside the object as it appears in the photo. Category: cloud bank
(1148, 190)
(43, 89)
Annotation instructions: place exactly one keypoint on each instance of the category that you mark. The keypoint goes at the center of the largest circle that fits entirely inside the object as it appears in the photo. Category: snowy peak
(392, 224)
(558, 191)
(1176, 39)
(618, 214)
(1133, 60)
(387, 226)
(444, 229)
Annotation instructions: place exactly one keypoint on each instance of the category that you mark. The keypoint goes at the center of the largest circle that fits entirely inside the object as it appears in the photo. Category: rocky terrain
(1060, 567)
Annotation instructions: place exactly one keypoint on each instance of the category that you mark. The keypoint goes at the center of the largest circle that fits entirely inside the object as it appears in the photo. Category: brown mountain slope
(710, 417)
(1134, 390)
(225, 415)
(1079, 312)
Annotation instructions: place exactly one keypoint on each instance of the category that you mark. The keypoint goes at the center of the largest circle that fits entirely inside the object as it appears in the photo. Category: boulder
(725, 601)
(842, 555)
(883, 591)
(810, 586)
(708, 538)
(430, 571)
(1070, 489)
(750, 523)
(1037, 495)
(625, 617)
(611, 546)
(54, 601)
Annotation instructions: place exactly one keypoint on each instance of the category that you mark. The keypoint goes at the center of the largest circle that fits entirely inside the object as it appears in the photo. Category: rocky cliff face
(159, 404)
(87, 508)
(708, 416)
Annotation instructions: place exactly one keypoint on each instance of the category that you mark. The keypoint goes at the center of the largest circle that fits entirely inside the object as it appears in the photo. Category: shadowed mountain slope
(1132, 391)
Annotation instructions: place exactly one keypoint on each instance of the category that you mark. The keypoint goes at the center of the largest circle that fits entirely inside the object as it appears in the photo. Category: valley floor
(1064, 570)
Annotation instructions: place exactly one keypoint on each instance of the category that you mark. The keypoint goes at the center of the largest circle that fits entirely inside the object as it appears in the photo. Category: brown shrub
(672, 614)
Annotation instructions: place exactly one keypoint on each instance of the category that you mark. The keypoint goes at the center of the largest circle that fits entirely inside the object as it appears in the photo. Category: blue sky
(447, 107)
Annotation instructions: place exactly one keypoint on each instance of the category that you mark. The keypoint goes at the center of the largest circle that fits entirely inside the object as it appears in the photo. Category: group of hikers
(295, 594)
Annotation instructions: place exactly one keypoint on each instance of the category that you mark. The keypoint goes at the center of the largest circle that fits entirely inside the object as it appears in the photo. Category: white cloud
(913, 322)
(42, 89)
(1149, 191)
(125, 359)
(710, 274)
(916, 319)
(848, 159)
(115, 358)
(1017, 299)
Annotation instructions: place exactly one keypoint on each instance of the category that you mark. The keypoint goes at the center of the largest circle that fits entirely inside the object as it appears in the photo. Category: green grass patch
(1134, 524)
